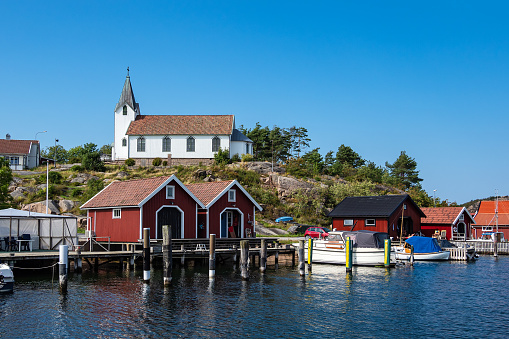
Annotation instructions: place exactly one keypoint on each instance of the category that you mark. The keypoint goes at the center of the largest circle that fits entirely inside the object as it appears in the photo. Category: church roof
(181, 125)
(238, 136)
(127, 96)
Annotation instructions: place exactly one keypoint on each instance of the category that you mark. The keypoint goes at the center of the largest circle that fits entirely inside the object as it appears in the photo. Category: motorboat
(367, 248)
(6, 279)
(424, 249)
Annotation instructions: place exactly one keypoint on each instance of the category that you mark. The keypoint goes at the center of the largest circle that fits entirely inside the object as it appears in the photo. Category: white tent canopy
(47, 230)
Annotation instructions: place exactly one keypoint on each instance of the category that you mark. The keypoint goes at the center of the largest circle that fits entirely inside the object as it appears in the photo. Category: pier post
(302, 260)
(235, 257)
(183, 257)
(276, 259)
(411, 255)
(212, 256)
(495, 245)
(78, 263)
(263, 256)
(387, 253)
(146, 254)
(348, 254)
(244, 259)
(62, 267)
(310, 254)
(167, 255)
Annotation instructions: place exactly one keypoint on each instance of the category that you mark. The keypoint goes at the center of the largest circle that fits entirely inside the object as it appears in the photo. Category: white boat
(367, 248)
(6, 279)
(424, 249)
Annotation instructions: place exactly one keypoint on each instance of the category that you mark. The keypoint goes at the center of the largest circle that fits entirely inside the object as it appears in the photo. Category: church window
(247, 148)
(216, 144)
(166, 144)
(124, 110)
(124, 142)
(140, 145)
(190, 144)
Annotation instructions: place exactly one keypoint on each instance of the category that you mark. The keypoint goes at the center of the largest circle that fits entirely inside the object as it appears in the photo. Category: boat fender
(1, 279)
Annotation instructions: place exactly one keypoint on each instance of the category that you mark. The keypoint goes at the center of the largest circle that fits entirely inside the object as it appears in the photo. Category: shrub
(92, 162)
(129, 162)
(75, 193)
(55, 177)
(222, 157)
(246, 157)
(77, 168)
(235, 158)
(165, 163)
(157, 162)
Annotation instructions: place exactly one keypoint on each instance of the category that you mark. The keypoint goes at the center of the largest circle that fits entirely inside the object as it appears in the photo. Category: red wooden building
(122, 209)
(490, 216)
(453, 223)
(378, 213)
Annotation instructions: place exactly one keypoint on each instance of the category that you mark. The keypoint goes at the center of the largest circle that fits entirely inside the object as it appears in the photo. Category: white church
(179, 139)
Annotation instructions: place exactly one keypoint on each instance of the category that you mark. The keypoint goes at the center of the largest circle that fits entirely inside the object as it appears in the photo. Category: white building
(183, 139)
(21, 154)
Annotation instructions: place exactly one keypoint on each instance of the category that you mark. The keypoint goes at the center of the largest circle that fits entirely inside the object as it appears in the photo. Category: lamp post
(55, 158)
(38, 159)
(38, 133)
(434, 201)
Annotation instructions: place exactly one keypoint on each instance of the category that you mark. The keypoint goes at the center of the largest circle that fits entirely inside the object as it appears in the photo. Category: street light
(55, 158)
(38, 133)
(38, 159)
(434, 201)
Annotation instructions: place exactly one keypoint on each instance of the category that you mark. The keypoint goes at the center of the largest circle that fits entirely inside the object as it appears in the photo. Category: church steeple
(127, 96)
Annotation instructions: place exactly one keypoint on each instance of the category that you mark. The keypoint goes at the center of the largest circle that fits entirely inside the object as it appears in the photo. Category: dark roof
(238, 136)
(127, 96)
(376, 206)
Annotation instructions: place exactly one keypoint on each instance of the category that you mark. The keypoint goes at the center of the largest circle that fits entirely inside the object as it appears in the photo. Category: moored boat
(6, 279)
(367, 248)
(424, 249)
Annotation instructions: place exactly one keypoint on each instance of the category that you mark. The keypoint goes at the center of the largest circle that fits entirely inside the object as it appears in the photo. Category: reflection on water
(451, 299)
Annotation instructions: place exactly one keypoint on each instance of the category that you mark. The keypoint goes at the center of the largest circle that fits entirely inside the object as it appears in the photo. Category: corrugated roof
(16, 146)
(125, 193)
(440, 215)
(181, 125)
(374, 206)
(208, 191)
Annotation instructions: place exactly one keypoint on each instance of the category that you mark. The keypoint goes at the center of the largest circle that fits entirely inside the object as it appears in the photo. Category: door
(227, 223)
(169, 216)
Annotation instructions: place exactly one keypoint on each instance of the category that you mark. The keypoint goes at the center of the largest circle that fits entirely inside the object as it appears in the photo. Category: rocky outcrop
(261, 167)
(83, 178)
(40, 207)
(286, 186)
(66, 206)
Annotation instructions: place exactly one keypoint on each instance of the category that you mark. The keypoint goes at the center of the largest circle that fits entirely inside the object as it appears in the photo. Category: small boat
(424, 249)
(6, 279)
(367, 248)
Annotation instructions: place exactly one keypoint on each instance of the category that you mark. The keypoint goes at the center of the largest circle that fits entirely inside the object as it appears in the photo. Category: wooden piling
(348, 254)
(235, 257)
(167, 255)
(212, 256)
(276, 259)
(495, 245)
(263, 256)
(411, 255)
(387, 253)
(302, 260)
(183, 257)
(62, 267)
(78, 263)
(244, 259)
(146, 254)
(310, 254)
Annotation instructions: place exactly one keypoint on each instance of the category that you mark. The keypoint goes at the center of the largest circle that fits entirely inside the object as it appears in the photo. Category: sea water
(436, 299)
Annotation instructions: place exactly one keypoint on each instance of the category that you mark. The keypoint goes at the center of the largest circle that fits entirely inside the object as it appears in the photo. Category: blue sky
(429, 78)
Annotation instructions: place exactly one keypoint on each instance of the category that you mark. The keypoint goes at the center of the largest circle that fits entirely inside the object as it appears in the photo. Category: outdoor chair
(11, 245)
(25, 245)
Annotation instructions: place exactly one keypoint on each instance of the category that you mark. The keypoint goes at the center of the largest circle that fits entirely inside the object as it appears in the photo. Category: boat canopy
(424, 244)
(368, 239)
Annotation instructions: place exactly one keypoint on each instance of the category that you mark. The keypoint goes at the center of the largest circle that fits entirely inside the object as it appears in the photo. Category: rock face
(261, 167)
(269, 231)
(66, 205)
(285, 186)
(83, 178)
(40, 207)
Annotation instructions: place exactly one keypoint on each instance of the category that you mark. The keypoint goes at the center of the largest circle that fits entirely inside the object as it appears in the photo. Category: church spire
(127, 96)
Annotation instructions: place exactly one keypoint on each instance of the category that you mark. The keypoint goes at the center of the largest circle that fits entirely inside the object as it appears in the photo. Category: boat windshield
(335, 237)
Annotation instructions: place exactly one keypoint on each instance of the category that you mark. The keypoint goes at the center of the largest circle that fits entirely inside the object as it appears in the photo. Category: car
(317, 232)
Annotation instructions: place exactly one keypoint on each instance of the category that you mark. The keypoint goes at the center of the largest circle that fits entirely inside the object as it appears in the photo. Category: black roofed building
(378, 213)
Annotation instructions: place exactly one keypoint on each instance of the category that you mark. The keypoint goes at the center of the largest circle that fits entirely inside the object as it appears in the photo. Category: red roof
(16, 146)
(125, 193)
(440, 215)
(486, 213)
(181, 125)
(208, 191)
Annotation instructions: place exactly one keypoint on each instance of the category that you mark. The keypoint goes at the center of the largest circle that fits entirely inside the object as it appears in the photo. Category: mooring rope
(36, 268)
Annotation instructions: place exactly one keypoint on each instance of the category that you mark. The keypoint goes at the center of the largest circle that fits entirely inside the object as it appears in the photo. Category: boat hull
(6, 279)
(360, 256)
(442, 255)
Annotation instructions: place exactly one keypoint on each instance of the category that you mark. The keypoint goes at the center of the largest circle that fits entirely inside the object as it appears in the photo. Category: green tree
(5, 180)
(105, 149)
(222, 157)
(346, 155)
(299, 140)
(92, 161)
(404, 169)
(314, 161)
(58, 151)
(370, 171)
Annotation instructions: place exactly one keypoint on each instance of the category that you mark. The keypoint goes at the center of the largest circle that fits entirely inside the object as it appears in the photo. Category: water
(445, 300)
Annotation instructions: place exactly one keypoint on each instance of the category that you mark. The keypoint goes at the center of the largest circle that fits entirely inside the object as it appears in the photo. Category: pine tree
(404, 169)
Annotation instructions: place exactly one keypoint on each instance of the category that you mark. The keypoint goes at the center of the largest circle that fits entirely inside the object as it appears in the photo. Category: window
(124, 142)
(124, 110)
(190, 144)
(116, 213)
(231, 195)
(462, 217)
(140, 145)
(14, 161)
(170, 192)
(348, 222)
(216, 144)
(247, 148)
(370, 222)
(487, 229)
(166, 144)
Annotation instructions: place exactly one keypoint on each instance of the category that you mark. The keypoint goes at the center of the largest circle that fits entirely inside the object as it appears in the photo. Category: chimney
(7, 136)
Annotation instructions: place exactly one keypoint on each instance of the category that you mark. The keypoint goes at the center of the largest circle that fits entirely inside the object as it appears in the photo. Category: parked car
(317, 232)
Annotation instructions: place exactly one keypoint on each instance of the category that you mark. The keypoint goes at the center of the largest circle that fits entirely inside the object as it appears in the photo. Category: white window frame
(487, 228)
(116, 215)
(216, 144)
(348, 222)
(170, 188)
(166, 144)
(190, 144)
(124, 142)
(370, 224)
(462, 217)
(140, 144)
(232, 196)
